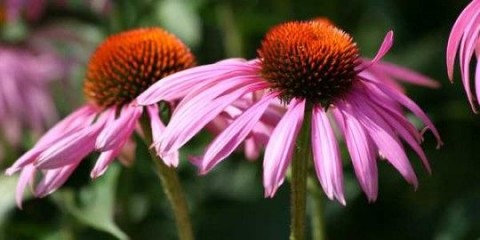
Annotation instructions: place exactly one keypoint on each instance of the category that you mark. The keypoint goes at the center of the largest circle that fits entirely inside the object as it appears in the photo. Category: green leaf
(7, 191)
(97, 203)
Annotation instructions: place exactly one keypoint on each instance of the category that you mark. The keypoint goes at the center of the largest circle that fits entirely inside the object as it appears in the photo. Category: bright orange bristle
(313, 60)
(126, 64)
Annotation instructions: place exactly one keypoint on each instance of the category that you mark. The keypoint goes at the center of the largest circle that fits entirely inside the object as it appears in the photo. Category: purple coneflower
(464, 38)
(120, 69)
(25, 102)
(315, 70)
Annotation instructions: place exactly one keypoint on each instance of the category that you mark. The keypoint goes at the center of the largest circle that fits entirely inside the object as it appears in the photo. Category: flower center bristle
(126, 64)
(312, 60)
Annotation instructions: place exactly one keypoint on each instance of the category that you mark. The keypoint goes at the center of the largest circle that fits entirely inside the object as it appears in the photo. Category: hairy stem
(171, 186)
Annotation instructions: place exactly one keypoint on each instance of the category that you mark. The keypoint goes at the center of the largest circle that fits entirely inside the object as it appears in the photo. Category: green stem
(316, 197)
(298, 184)
(171, 186)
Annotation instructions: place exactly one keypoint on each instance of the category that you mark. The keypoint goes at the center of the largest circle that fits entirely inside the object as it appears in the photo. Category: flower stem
(298, 183)
(316, 197)
(171, 186)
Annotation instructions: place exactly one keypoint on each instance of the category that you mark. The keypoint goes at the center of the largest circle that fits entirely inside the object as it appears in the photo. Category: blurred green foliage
(228, 203)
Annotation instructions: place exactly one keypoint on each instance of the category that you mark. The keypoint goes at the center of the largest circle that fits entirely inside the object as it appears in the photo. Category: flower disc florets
(126, 64)
(311, 60)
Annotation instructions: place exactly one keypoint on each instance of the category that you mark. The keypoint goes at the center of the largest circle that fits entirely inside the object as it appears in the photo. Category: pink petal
(404, 128)
(73, 122)
(383, 136)
(326, 155)
(117, 131)
(26, 177)
(179, 84)
(158, 128)
(103, 162)
(362, 152)
(54, 179)
(405, 74)
(185, 124)
(386, 45)
(467, 47)
(412, 106)
(278, 152)
(70, 148)
(457, 32)
(26, 159)
(230, 138)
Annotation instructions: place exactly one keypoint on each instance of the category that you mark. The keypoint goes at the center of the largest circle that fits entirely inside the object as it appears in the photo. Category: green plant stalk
(298, 184)
(171, 186)
(317, 214)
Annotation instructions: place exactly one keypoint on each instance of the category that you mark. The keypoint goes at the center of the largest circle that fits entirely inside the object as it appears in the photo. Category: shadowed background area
(228, 203)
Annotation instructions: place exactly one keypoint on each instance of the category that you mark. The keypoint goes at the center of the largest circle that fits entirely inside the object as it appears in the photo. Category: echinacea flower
(464, 39)
(25, 102)
(122, 67)
(314, 69)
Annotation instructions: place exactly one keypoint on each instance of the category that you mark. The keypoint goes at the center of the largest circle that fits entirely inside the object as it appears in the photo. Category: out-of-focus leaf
(97, 201)
(180, 18)
(7, 191)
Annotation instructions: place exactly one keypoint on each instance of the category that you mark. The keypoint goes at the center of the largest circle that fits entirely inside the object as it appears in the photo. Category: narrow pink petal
(326, 155)
(103, 162)
(404, 128)
(209, 92)
(71, 147)
(73, 122)
(278, 153)
(477, 79)
(383, 136)
(230, 138)
(115, 132)
(405, 74)
(412, 106)
(54, 179)
(68, 149)
(158, 128)
(26, 177)
(457, 32)
(186, 124)
(386, 45)
(179, 84)
(362, 152)
(467, 47)
(252, 149)
(26, 159)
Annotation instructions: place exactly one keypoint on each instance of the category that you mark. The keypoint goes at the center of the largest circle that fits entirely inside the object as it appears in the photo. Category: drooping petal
(467, 47)
(230, 138)
(401, 126)
(383, 136)
(158, 128)
(103, 162)
(26, 177)
(326, 156)
(457, 32)
(74, 146)
(412, 106)
(186, 124)
(278, 153)
(54, 179)
(117, 131)
(362, 152)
